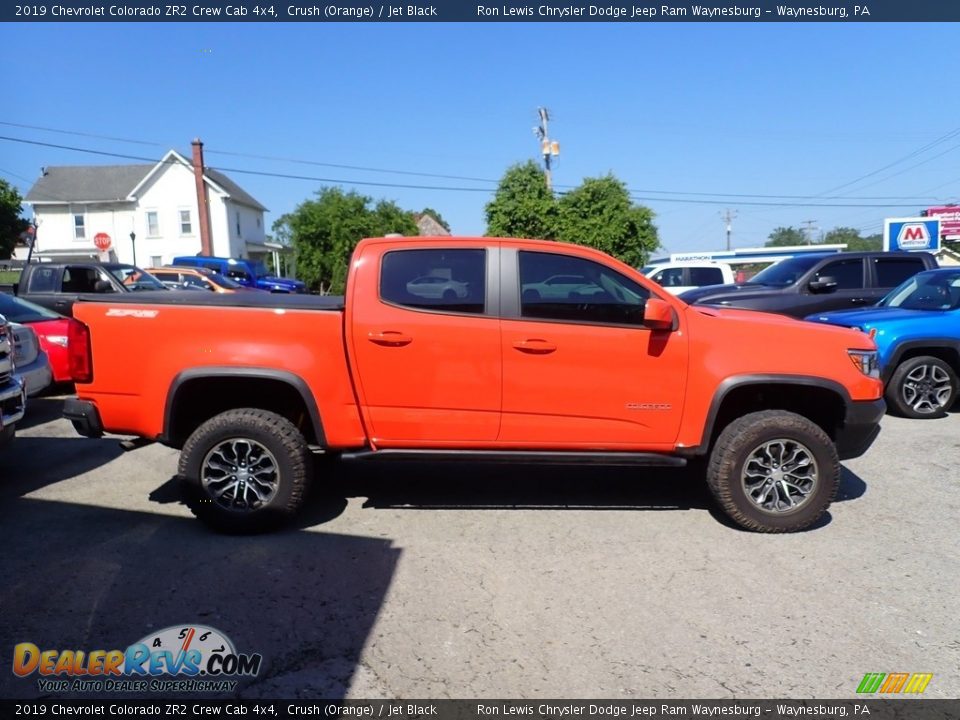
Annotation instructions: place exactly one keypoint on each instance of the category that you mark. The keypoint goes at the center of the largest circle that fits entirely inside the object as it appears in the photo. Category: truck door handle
(389, 338)
(535, 346)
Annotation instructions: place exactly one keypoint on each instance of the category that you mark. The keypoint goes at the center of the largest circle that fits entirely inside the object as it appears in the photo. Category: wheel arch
(944, 348)
(822, 401)
(228, 388)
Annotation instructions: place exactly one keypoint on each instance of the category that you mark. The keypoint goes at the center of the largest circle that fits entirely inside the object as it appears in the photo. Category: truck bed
(287, 301)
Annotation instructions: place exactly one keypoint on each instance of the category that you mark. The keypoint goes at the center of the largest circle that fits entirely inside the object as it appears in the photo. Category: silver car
(30, 362)
(12, 398)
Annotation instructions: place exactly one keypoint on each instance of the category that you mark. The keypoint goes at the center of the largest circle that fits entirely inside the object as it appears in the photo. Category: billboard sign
(949, 216)
(922, 233)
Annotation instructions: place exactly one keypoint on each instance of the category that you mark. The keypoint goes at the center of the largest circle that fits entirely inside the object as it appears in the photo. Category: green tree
(522, 207)
(600, 214)
(784, 236)
(324, 231)
(851, 236)
(11, 224)
(436, 216)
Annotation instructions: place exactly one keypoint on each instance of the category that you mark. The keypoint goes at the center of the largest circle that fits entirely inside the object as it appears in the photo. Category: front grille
(4, 378)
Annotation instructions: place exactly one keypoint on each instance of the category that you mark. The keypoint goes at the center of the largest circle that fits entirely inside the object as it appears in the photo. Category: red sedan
(50, 327)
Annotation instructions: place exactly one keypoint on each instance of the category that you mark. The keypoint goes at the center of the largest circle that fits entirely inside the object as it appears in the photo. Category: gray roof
(110, 183)
(235, 192)
(77, 183)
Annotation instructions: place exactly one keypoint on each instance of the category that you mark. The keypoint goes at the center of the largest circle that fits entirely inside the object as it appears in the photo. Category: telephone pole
(811, 225)
(728, 215)
(549, 148)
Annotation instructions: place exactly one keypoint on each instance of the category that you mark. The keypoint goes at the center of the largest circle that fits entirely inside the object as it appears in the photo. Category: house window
(238, 224)
(258, 222)
(79, 227)
(186, 228)
(153, 224)
(156, 261)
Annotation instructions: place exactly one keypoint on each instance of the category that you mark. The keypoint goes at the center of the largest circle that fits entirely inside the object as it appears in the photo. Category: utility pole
(811, 225)
(549, 148)
(728, 215)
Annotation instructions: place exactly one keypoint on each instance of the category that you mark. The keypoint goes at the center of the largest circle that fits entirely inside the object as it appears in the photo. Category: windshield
(224, 281)
(21, 311)
(926, 291)
(259, 269)
(133, 278)
(786, 272)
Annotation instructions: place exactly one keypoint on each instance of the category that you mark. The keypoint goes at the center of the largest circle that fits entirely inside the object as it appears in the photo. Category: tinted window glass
(595, 293)
(44, 279)
(450, 280)
(671, 277)
(893, 271)
(783, 273)
(20, 311)
(847, 273)
(700, 276)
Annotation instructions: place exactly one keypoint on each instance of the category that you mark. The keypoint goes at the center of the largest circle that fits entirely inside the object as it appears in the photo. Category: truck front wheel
(774, 471)
(245, 470)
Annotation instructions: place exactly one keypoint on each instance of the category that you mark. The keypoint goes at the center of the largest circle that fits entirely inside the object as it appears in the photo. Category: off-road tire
(734, 447)
(895, 396)
(275, 433)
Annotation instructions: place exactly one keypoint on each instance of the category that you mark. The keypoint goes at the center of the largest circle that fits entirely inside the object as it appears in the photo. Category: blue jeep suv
(917, 331)
(249, 273)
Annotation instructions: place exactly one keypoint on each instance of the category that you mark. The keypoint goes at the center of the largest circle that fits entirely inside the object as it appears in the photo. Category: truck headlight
(866, 361)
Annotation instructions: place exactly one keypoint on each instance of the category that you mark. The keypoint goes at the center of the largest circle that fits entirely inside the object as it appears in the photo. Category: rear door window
(700, 276)
(44, 279)
(893, 271)
(451, 280)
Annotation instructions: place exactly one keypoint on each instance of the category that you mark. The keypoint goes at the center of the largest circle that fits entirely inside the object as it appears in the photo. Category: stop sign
(102, 241)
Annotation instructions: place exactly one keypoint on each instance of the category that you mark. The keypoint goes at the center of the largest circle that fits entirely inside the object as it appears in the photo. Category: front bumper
(84, 416)
(860, 428)
(13, 403)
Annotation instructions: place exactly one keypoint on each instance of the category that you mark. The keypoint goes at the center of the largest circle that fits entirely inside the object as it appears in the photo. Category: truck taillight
(78, 352)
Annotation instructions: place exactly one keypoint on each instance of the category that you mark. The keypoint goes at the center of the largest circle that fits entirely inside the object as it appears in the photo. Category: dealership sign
(949, 217)
(922, 233)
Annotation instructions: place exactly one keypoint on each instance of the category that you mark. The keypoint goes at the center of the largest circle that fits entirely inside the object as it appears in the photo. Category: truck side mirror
(658, 314)
(824, 284)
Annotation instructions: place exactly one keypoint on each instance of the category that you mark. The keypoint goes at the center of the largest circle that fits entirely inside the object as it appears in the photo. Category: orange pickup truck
(477, 349)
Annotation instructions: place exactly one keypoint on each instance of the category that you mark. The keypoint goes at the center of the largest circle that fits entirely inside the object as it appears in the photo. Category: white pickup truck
(678, 277)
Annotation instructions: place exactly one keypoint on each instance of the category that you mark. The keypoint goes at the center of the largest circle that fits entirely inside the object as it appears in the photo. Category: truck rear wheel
(774, 471)
(922, 387)
(245, 470)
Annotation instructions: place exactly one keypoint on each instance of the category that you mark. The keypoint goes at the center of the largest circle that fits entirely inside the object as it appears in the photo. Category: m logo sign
(913, 236)
(921, 233)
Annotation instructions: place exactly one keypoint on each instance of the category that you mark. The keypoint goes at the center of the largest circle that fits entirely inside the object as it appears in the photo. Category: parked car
(189, 278)
(56, 286)
(679, 277)
(52, 330)
(30, 362)
(13, 399)
(635, 377)
(433, 286)
(248, 273)
(917, 330)
(819, 282)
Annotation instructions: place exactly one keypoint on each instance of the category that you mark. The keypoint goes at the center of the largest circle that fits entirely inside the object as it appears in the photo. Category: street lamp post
(133, 245)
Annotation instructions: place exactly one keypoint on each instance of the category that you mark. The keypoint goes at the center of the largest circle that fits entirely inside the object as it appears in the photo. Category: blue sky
(731, 109)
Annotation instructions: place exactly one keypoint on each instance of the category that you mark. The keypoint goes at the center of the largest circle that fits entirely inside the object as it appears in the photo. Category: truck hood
(769, 327)
(286, 283)
(867, 317)
(715, 294)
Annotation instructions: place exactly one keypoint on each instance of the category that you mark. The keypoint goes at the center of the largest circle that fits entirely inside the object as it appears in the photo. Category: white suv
(682, 276)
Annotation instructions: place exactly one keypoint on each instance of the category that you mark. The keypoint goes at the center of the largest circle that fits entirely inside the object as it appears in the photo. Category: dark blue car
(249, 273)
(917, 331)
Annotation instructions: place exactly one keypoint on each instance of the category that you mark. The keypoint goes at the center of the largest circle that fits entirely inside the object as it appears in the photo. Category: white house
(148, 213)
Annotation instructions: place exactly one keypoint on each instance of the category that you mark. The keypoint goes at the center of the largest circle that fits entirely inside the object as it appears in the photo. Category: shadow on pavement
(306, 601)
(41, 410)
(30, 463)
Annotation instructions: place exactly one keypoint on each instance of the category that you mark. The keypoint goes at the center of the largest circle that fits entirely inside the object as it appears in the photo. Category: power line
(370, 183)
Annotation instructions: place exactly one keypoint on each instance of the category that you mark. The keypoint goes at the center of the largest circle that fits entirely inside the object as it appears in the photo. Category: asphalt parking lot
(405, 581)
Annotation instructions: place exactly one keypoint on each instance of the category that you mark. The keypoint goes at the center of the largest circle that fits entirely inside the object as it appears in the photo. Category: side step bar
(534, 457)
